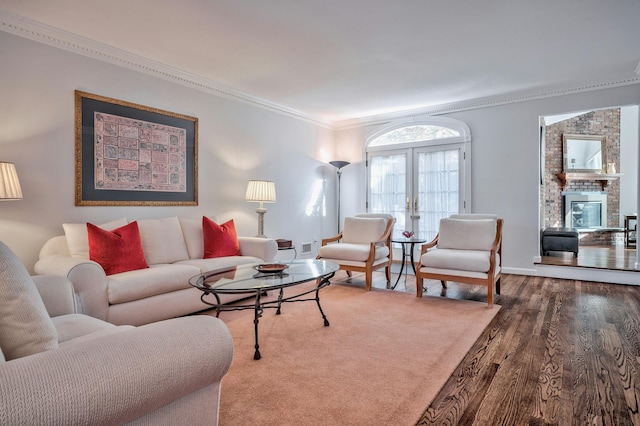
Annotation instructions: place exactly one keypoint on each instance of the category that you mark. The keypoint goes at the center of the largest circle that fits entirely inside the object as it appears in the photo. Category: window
(419, 173)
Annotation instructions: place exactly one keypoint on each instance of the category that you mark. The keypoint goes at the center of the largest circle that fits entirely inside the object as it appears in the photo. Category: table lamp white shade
(9, 183)
(261, 191)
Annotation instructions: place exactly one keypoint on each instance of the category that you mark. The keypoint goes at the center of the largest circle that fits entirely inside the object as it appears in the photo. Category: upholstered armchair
(364, 245)
(58, 367)
(467, 249)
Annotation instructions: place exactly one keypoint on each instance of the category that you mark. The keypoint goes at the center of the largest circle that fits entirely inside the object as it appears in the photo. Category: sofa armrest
(262, 248)
(120, 377)
(87, 277)
(56, 293)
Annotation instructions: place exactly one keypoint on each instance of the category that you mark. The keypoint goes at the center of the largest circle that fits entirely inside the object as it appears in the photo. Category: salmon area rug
(382, 360)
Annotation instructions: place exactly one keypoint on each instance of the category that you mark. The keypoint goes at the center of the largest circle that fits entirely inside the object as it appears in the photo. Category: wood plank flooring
(559, 352)
(599, 257)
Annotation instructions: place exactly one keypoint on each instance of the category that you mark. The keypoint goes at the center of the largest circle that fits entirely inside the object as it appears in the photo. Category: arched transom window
(416, 133)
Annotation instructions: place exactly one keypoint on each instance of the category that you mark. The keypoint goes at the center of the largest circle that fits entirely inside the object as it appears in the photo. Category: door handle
(408, 207)
(415, 205)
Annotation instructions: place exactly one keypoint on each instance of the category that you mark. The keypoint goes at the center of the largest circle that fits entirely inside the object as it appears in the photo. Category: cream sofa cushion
(162, 240)
(205, 265)
(143, 283)
(193, 236)
(461, 234)
(363, 230)
(77, 326)
(25, 326)
(78, 237)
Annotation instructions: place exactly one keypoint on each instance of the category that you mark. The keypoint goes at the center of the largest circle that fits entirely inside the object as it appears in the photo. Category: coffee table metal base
(259, 306)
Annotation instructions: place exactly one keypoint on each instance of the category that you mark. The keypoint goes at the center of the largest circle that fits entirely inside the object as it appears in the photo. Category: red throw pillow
(219, 240)
(119, 250)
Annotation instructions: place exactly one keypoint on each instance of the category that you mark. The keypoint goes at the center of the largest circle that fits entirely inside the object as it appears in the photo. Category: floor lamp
(339, 165)
(261, 191)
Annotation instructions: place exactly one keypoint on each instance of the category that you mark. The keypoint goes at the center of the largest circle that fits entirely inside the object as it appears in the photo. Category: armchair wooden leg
(419, 285)
(387, 271)
(490, 295)
(498, 286)
(444, 283)
(349, 274)
(368, 279)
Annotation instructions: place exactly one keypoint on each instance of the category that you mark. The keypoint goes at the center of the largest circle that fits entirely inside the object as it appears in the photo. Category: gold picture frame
(133, 155)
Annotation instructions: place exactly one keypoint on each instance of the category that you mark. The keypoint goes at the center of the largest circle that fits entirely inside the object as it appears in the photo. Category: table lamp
(9, 183)
(261, 191)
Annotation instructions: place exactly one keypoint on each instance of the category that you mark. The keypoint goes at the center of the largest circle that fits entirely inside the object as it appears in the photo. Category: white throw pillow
(26, 328)
(464, 234)
(193, 237)
(162, 240)
(78, 237)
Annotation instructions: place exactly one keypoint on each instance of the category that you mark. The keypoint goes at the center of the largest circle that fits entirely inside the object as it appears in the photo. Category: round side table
(409, 243)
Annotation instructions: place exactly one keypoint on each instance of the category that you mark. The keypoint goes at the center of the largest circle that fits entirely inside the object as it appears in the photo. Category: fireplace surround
(584, 210)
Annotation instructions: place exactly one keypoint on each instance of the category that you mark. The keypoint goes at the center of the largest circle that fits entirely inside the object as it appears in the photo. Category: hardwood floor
(599, 257)
(559, 352)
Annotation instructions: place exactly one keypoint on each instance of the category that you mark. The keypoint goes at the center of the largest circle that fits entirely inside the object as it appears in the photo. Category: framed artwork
(133, 155)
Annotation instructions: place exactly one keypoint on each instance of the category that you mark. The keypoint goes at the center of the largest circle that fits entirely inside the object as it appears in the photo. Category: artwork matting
(133, 155)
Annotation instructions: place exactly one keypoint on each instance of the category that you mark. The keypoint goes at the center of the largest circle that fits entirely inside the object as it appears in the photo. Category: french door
(418, 186)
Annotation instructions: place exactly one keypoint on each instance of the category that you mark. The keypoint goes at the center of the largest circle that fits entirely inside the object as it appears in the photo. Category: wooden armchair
(364, 245)
(467, 249)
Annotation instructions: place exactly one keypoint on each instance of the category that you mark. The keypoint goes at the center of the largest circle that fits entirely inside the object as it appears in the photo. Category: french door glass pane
(438, 176)
(388, 187)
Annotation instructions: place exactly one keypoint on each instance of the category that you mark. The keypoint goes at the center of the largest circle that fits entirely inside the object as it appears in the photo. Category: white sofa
(58, 367)
(173, 248)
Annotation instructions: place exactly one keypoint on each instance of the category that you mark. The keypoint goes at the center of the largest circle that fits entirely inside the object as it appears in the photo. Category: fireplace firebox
(585, 210)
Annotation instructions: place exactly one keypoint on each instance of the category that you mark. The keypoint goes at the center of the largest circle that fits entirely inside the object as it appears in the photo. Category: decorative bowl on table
(407, 234)
(270, 268)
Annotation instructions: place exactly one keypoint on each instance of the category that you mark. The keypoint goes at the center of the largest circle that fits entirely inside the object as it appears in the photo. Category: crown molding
(490, 101)
(37, 31)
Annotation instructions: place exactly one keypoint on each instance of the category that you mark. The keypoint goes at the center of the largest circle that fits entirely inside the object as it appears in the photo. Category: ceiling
(341, 60)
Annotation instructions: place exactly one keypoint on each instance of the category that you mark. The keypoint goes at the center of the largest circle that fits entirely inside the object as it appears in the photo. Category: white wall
(237, 142)
(505, 164)
(628, 161)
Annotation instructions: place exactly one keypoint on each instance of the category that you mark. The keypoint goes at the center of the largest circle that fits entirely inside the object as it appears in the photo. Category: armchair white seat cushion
(352, 252)
(469, 260)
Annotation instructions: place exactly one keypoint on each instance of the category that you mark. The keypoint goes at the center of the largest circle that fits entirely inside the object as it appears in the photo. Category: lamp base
(261, 212)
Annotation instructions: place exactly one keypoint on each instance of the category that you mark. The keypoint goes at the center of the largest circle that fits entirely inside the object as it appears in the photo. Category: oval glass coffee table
(257, 279)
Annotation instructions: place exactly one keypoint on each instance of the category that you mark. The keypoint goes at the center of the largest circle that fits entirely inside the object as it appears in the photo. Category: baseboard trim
(589, 274)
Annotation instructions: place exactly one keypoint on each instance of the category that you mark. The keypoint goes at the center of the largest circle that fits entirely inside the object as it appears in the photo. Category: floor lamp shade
(261, 191)
(9, 183)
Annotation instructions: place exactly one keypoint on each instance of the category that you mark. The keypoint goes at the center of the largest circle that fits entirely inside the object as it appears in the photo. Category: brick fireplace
(604, 123)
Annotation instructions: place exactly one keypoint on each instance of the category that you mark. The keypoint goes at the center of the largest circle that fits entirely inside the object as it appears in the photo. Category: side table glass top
(245, 278)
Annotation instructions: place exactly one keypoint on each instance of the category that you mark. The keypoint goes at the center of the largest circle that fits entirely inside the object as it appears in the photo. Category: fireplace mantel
(603, 178)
